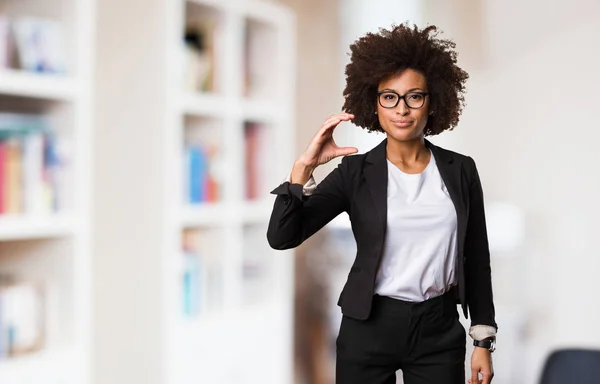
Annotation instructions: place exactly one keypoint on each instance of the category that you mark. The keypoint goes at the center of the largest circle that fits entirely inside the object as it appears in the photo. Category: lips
(402, 123)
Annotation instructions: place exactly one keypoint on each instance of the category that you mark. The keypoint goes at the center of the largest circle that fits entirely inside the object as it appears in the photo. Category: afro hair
(377, 56)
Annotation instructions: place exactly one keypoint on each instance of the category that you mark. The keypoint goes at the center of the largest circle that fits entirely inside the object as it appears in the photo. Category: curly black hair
(376, 56)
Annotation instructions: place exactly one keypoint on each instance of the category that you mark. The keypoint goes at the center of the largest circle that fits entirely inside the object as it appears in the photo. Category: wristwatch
(489, 344)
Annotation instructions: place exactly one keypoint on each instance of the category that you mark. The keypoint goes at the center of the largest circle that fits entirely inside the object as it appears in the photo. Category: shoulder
(466, 163)
(351, 166)
(352, 161)
(465, 160)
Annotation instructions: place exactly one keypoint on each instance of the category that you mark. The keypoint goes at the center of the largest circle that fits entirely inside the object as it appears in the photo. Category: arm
(297, 216)
(478, 276)
(477, 268)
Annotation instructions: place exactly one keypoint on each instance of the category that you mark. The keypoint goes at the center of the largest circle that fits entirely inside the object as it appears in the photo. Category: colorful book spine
(30, 166)
(3, 160)
(200, 183)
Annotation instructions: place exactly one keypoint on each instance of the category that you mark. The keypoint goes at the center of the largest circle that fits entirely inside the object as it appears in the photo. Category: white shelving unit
(248, 338)
(54, 249)
(147, 116)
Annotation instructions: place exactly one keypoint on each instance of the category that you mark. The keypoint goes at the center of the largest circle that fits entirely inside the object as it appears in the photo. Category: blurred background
(139, 141)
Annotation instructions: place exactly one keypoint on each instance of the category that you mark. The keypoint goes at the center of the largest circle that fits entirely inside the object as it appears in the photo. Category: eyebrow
(410, 90)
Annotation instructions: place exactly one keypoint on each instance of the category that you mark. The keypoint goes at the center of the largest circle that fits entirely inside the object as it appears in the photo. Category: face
(402, 123)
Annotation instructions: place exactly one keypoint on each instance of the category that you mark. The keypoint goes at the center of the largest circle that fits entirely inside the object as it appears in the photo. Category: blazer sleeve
(295, 217)
(477, 269)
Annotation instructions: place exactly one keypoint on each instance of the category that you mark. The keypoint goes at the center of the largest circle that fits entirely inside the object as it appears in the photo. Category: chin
(404, 136)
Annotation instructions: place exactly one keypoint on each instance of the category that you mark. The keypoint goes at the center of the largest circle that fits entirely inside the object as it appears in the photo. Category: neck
(407, 152)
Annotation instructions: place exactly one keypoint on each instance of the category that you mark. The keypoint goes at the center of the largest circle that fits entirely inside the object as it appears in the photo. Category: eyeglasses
(390, 99)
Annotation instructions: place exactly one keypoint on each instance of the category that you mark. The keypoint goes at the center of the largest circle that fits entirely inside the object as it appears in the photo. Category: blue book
(191, 284)
(198, 167)
(194, 172)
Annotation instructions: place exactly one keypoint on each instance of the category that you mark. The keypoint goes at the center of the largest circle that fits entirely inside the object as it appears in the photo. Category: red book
(251, 140)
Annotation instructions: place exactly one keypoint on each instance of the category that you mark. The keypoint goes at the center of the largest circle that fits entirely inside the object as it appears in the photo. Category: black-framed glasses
(390, 99)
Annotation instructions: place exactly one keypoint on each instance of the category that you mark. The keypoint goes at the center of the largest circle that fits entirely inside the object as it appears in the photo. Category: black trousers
(425, 340)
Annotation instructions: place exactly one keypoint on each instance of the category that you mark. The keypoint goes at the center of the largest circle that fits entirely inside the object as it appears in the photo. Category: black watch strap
(488, 344)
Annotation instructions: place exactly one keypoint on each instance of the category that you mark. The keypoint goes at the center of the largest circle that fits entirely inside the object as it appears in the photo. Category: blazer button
(286, 200)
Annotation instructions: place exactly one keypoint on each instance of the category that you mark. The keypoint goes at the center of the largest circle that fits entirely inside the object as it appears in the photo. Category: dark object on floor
(572, 366)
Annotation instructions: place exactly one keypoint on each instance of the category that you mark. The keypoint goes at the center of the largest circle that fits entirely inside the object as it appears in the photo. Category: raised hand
(321, 149)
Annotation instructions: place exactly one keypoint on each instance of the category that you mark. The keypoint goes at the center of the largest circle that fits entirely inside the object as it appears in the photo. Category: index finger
(333, 122)
(475, 376)
(342, 114)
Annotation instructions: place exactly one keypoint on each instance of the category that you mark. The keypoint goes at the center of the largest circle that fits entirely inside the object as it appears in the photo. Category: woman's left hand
(481, 362)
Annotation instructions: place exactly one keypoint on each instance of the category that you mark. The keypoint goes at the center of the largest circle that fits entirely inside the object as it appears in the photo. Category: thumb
(346, 151)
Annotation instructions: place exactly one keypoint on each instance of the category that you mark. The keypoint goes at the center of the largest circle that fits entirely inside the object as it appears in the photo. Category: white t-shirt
(419, 257)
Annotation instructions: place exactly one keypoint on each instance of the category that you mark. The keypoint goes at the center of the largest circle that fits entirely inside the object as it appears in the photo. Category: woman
(417, 216)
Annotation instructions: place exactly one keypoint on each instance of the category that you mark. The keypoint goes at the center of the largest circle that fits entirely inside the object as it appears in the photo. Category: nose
(402, 109)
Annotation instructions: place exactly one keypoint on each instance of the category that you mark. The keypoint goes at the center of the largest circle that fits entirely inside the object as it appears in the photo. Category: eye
(416, 97)
(389, 96)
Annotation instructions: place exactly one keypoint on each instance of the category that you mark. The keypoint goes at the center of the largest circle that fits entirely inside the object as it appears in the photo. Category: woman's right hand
(321, 149)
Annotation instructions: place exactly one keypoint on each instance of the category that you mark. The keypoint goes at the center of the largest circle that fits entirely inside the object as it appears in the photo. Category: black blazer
(358, 186)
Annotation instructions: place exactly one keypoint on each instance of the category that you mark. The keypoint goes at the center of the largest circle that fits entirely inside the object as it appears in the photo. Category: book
(201, 180)
(22, 318)
(258, 159)
(31, 167)
(201, 272)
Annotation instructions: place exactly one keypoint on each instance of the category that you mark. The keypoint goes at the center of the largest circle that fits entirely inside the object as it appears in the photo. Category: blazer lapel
(450, 171)
(376, 175)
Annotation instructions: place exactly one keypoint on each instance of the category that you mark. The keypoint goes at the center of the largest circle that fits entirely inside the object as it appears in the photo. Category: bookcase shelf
(55, 367)
(202, 104)
(213, 105)
(43, 86)
(260, 110)
(45, 252)
(219, 214)
(208, 214)
(19, 227)
(258, 211)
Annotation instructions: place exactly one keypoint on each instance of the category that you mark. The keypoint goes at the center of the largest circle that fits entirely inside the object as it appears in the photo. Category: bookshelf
(45, 164)
(246, 113)
(186, 288)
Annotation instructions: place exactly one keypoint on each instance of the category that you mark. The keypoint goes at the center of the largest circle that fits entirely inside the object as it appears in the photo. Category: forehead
(404, 81)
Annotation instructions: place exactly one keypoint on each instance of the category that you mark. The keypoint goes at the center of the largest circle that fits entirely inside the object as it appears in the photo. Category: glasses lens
(414, 100)
(388, 99)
